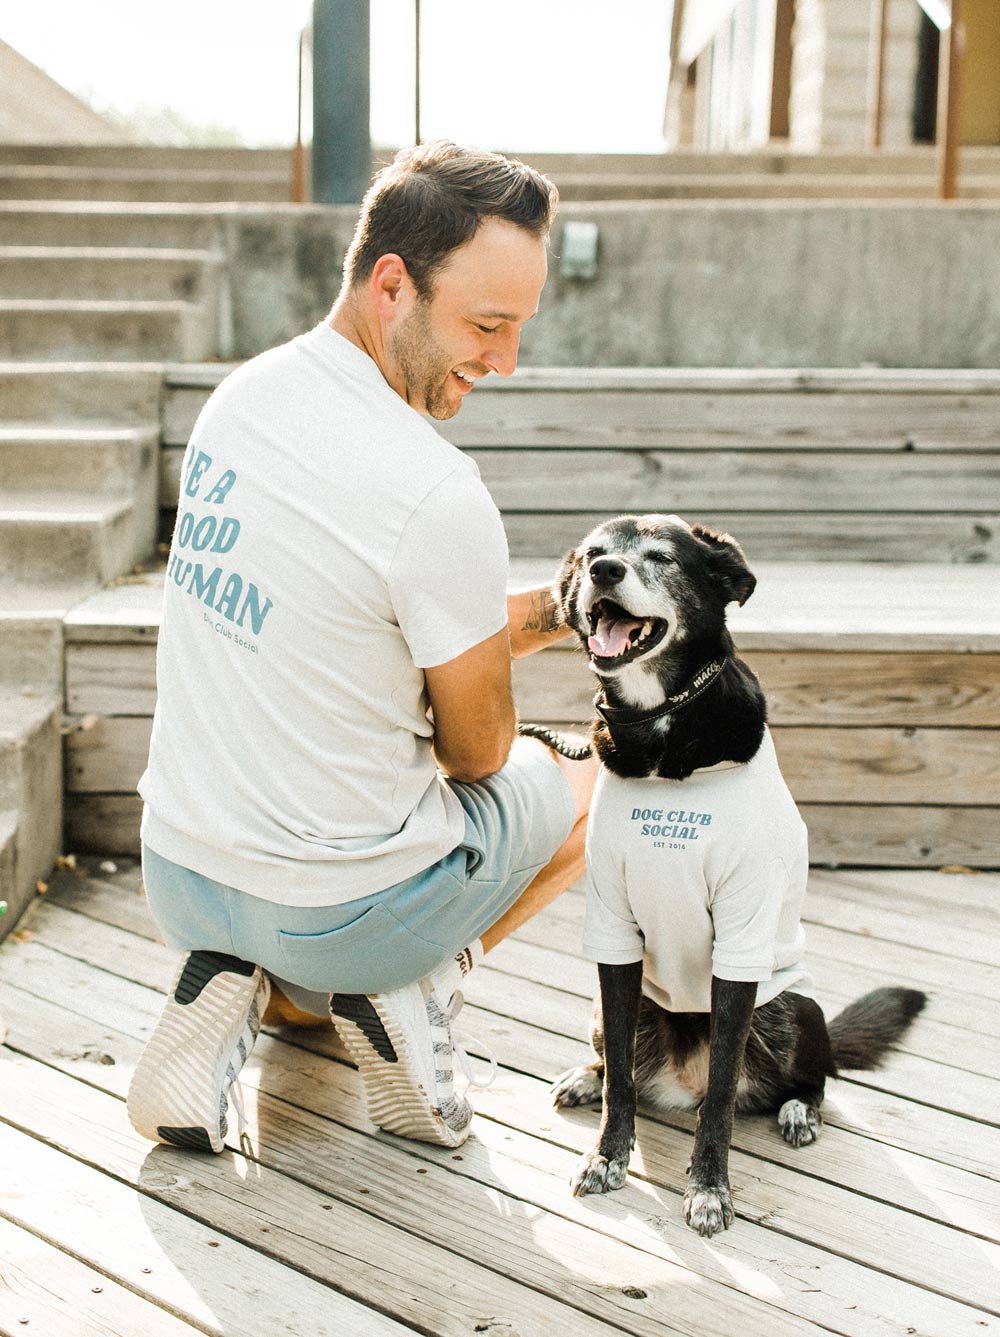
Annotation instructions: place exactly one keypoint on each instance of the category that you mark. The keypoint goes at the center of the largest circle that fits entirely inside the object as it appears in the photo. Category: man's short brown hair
(432, 198)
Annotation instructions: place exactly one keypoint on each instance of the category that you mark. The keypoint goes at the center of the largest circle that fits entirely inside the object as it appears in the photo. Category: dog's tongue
(610, 637)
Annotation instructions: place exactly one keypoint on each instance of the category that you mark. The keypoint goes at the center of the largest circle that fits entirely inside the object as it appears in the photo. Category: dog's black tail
(862, 1034)
(556, 741)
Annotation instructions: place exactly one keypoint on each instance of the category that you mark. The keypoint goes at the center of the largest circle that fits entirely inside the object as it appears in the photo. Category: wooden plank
(46, 1290)
(506, 1163)
(677, 407)
(309, 1229)
(111, 679)
(531, 956)
(501, 994)
(108, 757)
(214, 1282)
(891, 766)
(545, 481)
(807, 687)
(791, 536)
(104, 823)
(383, 1181)
(896, 836)
(833, 606)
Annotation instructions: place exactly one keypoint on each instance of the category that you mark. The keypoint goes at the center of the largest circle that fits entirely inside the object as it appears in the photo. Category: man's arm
(534, 621)
(474, 718)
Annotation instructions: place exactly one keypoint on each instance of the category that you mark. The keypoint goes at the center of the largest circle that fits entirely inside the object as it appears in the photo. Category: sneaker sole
(174, 1093)
(395, 1093)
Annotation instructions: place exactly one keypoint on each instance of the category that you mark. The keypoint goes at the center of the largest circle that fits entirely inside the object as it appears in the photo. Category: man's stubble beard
(424, 365)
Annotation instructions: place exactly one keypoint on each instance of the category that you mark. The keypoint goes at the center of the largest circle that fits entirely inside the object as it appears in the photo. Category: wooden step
(826, 466)
(882, 684)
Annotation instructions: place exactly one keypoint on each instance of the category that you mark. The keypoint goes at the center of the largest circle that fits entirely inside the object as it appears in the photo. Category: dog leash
(622, 716)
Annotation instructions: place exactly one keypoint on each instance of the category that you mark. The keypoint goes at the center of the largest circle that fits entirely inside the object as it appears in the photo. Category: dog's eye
(591, 553)
(663, 558)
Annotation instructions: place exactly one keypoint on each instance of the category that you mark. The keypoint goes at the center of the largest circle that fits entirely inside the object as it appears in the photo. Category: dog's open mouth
(617, 636)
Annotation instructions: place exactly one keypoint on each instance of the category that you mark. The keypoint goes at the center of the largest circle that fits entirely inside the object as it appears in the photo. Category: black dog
(647, 597)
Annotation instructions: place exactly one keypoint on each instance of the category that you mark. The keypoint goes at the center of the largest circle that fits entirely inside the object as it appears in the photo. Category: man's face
(471, 325)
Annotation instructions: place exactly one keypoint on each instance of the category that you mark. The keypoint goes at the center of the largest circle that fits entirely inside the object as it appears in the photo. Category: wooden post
(950, 102)
(876, 72)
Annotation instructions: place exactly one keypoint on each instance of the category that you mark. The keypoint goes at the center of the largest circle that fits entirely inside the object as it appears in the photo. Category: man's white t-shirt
(698, 877)
(329, 546)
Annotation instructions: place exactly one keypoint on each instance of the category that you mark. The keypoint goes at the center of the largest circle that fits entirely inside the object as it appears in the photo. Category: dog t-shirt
(330, 545)
(698, 877)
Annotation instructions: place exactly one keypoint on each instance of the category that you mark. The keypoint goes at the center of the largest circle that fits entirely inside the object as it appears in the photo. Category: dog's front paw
(708, 1208)
(596, 1174)
(578, 1086)
(799, 1123)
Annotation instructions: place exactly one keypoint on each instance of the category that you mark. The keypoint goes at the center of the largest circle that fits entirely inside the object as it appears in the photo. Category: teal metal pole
(341, 151)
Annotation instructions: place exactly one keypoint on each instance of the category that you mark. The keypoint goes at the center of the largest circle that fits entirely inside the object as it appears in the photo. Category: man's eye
(488, 329)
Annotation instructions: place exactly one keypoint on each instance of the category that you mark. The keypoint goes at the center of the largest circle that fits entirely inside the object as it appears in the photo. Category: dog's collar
(624, 716)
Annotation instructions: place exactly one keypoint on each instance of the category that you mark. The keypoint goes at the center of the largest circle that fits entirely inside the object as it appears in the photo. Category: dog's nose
(607, 571)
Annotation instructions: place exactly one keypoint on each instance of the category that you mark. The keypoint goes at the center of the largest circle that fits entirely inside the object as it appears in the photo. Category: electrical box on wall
(578, 250)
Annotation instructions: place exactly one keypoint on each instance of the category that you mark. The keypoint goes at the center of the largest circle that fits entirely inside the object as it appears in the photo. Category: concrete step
(919, 160)
(106, 273)
(49, 535)
(74, 393)
(31, 787)
(150, 157)
(32, 613)
(772, 186)
(119, 331)
(8, 874)
(906, 161)
(106, 461)
(68, 223)
(180, 184)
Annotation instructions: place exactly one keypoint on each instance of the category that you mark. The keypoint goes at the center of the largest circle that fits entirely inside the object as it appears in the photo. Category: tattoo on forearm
(543, 614)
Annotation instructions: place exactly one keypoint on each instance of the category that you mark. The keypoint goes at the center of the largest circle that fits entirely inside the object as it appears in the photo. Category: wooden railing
(946, 17)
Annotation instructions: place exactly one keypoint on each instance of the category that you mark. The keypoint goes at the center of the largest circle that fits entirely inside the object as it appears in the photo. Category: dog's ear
(727, 564)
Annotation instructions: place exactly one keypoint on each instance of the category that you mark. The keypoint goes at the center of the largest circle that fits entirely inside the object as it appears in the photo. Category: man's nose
(502, 354)
(607, 571)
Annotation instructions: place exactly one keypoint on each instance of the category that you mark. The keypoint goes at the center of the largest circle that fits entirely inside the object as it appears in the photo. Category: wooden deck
(890, 1225)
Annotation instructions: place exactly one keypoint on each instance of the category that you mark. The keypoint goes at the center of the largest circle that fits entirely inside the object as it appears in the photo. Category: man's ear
(390, 286)
(727, 564)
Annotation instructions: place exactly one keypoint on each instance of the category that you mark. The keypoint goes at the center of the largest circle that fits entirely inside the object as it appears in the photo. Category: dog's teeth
(647, 628)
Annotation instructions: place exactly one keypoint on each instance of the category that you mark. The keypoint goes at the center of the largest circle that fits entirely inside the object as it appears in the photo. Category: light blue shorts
(514, 823)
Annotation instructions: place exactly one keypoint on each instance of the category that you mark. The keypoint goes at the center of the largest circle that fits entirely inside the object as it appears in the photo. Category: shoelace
(459, 1040)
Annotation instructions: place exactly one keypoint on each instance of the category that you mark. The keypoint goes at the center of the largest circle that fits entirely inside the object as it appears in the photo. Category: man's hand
(474, 719)
(534, 621)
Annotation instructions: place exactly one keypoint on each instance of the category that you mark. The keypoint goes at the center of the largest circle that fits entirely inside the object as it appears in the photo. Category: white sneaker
(182, 1084)
(404, 1058)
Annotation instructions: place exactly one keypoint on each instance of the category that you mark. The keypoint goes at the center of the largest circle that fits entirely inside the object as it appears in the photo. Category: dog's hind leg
(812, 1062)
(579, 1086)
